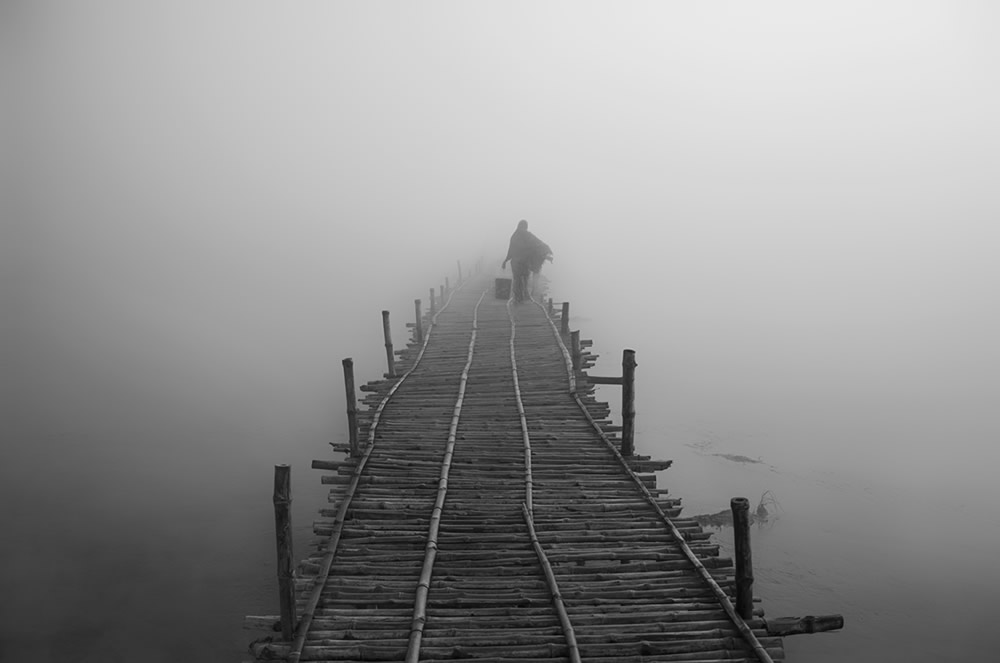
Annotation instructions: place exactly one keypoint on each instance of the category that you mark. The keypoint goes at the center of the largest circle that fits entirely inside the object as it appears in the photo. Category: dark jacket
(527, 249)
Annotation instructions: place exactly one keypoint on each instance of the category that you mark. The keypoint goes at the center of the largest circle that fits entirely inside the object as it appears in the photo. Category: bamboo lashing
(720, 595)
(423, 585)
(295, 651)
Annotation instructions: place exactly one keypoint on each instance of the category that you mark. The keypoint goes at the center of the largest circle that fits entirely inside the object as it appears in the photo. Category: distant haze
(205, 205)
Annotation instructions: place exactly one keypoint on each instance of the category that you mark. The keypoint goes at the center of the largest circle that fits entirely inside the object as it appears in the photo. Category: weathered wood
(283, 537)
(740, 507)
(418, 325)
(352, 410)
(596, 379)
(807, 624)
(432, 310)
(564, 319)
(389, 358)
(491, 393)
(628, 402)
(574, 339)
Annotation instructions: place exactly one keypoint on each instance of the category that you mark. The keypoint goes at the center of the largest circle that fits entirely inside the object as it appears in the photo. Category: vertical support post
(419, 324)
(552, 308)
(283, 536)
(628, 402)
(459, 273)
(447, 285)
(389, 358)
(744, 564)
(565, 319)
(352, 407)
(442, 294)
(574, 342)
(432, 302)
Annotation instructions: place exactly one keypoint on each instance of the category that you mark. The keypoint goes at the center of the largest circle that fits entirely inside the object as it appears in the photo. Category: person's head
(522, 225)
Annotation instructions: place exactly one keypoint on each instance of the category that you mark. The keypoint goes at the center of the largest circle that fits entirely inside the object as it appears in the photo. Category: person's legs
(520, 272)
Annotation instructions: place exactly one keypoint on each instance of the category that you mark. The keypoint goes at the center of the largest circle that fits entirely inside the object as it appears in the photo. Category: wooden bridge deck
(489, 517)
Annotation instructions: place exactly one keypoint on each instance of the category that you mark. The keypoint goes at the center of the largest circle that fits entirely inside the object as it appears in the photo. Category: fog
(789, 211)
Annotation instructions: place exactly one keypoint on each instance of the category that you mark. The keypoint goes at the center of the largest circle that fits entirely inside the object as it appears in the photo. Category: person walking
(526, 255)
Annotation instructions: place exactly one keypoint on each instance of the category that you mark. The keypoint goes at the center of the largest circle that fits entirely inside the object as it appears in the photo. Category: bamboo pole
(525, 437)
(557, 599)
(430, 551)
(283, 537)
(352, 407)
(744, 565)
(565, 319)
(389, 357)
(628, 402)
(418, 325)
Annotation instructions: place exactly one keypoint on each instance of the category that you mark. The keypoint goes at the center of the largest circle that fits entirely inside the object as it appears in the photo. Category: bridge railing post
(432, 309)
(389, 357)
(552, 308)
(283, 538)
(419, 322)
(352, 408)
(574, 341)
(564, 320)
(442, 294)
(744, 565)
(628, 402)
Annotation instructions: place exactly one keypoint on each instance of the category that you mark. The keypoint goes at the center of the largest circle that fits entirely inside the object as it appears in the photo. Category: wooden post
(389, 358)
(283, 536)
(574, 341)
(432, 303)
(552, 308)
(628, 402)
(459, 273)
(744, 565)
(352, 407)
(420, 321)
(565, 319)
(447, 285)
(442, 295)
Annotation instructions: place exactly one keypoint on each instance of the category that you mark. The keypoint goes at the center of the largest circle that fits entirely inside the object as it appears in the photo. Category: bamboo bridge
(486, 509)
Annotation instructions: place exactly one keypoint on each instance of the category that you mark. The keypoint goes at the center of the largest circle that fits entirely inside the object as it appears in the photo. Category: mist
(788, 211)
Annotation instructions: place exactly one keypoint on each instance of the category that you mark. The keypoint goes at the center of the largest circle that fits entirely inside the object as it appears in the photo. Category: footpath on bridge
(487, 514)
